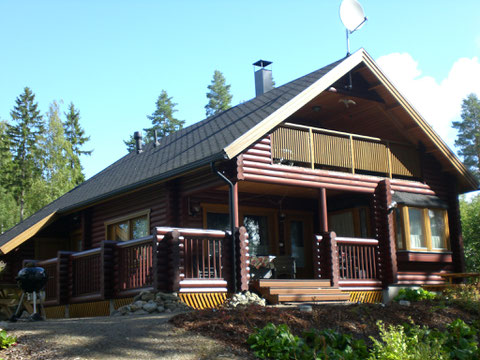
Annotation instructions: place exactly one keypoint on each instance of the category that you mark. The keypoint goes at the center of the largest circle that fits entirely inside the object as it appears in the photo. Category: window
(350, 222)
(133, 226)
(421, 229)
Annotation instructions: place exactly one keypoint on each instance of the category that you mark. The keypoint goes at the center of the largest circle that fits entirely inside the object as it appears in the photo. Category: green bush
(277, 342)
(459, 341)
(407, 343)
(414, 295)
(274, 342)
(462, 341)
(464, 296)
(6, 340)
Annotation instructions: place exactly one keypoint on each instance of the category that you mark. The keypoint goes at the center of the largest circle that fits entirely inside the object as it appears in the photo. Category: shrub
(407, 343)
(462, 341)
(414, 295)
(277, 342)
(6, 340)
(464, 296)
(274, 342)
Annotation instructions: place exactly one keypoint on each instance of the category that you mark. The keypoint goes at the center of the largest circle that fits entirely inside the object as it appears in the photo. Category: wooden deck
(280, 291)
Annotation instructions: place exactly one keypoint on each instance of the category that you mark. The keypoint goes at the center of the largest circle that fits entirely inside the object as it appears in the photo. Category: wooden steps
(280, 291)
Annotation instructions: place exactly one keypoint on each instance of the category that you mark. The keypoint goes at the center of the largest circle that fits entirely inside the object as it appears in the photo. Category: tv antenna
(353, 17)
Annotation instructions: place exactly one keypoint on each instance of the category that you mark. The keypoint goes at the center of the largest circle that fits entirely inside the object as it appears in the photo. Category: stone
(137, 305)
(404, 303)
(305, 308)
(4, 325)
(160, 309)
(150, 306)
(147, 296)
(140, 312)
(116, 313)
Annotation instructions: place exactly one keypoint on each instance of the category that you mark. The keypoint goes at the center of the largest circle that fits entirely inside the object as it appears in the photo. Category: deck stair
(282, 291)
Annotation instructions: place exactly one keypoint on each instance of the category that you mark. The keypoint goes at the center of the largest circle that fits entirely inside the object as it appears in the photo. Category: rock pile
(244, 299)
(148, 302)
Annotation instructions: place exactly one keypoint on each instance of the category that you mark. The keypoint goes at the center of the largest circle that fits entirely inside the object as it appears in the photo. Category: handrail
(356, 241)
(342, 133)
(48, 261)
(134, 242)
(80, 254)
(192, 232)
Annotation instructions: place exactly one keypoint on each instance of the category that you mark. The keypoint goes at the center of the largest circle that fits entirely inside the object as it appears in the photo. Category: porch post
(322, 209)
(384, 232)
(235, 205)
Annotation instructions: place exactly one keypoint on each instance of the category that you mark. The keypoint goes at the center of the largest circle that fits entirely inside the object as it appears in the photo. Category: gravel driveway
(107, 338)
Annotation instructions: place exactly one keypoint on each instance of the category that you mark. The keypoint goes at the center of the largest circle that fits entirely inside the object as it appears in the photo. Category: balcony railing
(321, 148)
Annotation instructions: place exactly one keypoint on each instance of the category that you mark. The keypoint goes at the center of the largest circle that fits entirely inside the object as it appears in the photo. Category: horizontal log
(86, 253)
(263, 147)
(413, 190)
(132, 292)
(407, 256)
(86, 298)
(192, 232)
(266, 140)
(255, 158)
(356, 241)
(267, 179)
(136, 242)
(307, 177)
(258, 152)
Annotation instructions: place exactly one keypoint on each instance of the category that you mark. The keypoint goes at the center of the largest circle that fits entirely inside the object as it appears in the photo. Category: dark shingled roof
(185, 149)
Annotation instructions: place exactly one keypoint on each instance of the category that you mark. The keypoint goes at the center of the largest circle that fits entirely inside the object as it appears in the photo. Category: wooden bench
(451, 276)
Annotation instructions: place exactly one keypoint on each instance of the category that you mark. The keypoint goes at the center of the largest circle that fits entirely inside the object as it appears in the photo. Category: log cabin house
(335, 170)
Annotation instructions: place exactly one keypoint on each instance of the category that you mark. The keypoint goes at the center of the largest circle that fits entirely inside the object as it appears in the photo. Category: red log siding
(152, 198)
(255, 164)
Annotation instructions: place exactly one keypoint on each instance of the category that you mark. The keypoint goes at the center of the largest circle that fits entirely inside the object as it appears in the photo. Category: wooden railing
(346, 261)
(187, 260)
(321, 148)
(134, 265)
(51, 288)
(357, 258)
(202, 254)
(86, 273)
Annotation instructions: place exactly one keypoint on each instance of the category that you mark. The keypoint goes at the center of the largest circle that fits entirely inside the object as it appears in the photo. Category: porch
(203, 267)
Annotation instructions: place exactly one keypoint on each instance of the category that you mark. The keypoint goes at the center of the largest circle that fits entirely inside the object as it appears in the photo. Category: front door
(298, 241)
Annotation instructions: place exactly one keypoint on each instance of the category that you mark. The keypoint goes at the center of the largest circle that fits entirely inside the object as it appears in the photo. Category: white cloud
(439, 101)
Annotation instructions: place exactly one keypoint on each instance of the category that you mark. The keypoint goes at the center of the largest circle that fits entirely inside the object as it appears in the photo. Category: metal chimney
(137, 135)
(263, 77)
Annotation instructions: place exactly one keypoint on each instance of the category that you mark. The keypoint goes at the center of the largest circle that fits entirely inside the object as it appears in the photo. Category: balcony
(318, 148)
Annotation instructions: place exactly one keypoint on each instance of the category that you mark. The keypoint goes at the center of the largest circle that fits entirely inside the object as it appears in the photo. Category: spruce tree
(219, 97)
(8, 207)
(76, 136)
(163, 121)
(25, 134)
(468, 139)
(58, 175)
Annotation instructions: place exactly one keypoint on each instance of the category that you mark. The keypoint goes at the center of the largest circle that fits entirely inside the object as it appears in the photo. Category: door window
(257, 229)
(298, 246)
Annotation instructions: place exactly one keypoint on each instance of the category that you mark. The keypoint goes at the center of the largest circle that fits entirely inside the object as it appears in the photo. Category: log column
(173, 241)
(322, 210)
(243, 269)
(384, 232)
(456, 238)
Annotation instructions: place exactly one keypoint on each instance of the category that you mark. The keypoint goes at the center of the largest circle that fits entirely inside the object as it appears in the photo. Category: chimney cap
(262, 63)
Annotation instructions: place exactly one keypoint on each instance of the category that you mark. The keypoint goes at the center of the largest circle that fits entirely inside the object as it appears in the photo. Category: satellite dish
(352, 16)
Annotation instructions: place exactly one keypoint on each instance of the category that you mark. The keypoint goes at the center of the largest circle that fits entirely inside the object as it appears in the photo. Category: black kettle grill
(30, 280)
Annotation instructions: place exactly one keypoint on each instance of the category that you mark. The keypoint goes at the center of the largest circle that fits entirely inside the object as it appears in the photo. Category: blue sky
(113, 58)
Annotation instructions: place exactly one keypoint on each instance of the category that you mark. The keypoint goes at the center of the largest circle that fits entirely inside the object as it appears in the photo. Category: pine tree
(76, 136)
(162, 120)
(219, 97)
(8, 207)
(468, 139)
(25, 135)
(58, 175)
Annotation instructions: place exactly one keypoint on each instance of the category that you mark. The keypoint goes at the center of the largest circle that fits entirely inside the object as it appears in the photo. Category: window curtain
(437, 227)
(417, 236)
(342, 224)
